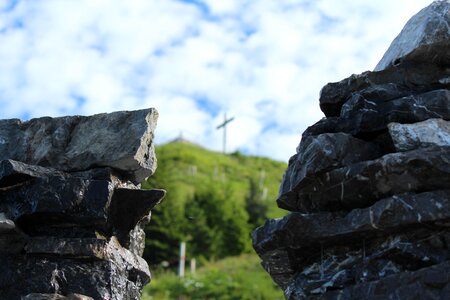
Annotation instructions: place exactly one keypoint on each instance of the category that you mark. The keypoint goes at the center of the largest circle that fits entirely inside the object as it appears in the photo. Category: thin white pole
(182, 259)
(193, 266)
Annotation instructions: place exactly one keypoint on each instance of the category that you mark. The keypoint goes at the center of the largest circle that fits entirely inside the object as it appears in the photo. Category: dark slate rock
(424, 69)
(369, 186)
(342, 267)
(373, 95)
(129, 213)
(309, 231)
(92, 248)
(58, 200)
(15, 172)
(68, 247)
(362, 184)
(40, 296)
(280, 266)
(108, 174)
(121, 140)
(98, 279)
(428, 26)
(71, 216)
(323, 153)
(358, 105)
(12, 239)
(428, 283)
(332, 250)
(36, 196)
(367, 119)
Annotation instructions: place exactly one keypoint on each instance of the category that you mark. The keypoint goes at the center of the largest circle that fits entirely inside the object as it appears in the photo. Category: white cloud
(263, 62)
(223, 6)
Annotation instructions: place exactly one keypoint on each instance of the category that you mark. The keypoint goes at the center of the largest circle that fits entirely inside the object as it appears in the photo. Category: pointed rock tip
(428, 26)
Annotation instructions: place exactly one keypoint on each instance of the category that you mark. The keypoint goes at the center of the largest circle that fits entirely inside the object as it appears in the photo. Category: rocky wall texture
(369, 186)
(71, 210)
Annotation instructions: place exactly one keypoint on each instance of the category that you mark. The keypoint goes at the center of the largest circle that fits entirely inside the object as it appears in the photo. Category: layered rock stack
(369, 186)
(71, 211)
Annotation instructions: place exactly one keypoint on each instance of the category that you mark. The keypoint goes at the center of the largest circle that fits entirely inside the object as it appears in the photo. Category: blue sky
(261, 61)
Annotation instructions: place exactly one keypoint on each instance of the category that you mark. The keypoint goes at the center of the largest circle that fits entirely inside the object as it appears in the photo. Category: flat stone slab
(309, 231)
(68, 247)
(58, 200)
(326, 152)
(15, 172)
(432, 132)
(120, 140)
(364, 118)
(98, 279)
(428, 26)
(362, 184)
(41, 296)
(101, 249)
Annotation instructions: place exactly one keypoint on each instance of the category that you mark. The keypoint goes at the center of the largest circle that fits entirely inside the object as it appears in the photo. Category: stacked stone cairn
(71, 210)
(369, 186)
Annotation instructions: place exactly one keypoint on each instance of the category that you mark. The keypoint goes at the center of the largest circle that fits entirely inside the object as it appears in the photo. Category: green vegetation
(231, 278)
(213, 202)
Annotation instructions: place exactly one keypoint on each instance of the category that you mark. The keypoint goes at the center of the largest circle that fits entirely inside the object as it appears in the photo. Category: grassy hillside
(239, 278)
(213, 202)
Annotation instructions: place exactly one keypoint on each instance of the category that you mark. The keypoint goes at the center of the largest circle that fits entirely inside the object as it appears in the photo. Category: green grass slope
(213, 202)
(233, 278)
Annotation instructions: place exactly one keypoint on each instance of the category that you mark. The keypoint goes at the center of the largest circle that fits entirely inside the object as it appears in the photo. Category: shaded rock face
(369, 186)
(71, 216)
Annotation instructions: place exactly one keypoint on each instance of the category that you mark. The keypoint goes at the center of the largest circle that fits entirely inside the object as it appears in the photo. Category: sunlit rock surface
(430, 25)
(121, 140)
(71, 216)
(418, 135)
(369, 186)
